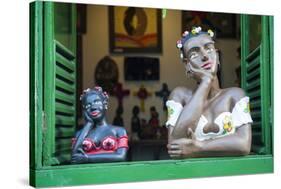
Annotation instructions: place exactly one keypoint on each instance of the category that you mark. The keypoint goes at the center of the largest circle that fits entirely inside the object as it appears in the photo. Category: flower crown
(187, 35)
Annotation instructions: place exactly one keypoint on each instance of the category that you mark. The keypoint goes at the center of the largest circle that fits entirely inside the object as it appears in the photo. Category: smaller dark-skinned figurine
(135, 123)
(164, 94)
(118, 120)
(98, 141)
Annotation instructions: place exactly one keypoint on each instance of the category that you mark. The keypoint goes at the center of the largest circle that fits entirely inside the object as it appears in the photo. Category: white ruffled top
(228, 122)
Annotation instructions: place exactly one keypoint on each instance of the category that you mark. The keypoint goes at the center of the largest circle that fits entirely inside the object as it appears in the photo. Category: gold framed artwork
(135, 30)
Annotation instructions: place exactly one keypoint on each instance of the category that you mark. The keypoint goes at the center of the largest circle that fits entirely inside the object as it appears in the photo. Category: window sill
(103, 173)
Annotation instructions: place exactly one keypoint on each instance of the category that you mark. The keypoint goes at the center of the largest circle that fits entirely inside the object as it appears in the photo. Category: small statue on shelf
(118, 119)
(209, 121)
(153, 121)
(98, 141)
(164, 94)
(146, 130)
(135, 123)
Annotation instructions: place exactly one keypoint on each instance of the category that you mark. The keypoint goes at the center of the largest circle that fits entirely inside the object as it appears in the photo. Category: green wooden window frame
(44, 171)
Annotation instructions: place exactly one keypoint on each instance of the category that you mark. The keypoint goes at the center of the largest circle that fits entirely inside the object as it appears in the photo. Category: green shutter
(59, 84)
(256, 81)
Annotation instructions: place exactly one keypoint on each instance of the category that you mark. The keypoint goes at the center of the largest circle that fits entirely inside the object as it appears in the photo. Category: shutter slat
(254, 74)
(64, 108)
(68, 64)
(68, 76)
(63, 144)
(255, 104)
(64, 131)
(256, 124)
(65, 120)
(254, 94)
(65, 97)
(64, 50)
(253, 85)
(256, 114)
(69, 88)
(254, 65)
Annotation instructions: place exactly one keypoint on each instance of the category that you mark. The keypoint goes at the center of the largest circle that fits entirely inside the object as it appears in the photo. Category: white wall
(95, 47)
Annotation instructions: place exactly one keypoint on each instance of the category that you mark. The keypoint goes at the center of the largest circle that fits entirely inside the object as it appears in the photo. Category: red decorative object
(142, 94)
(120, 93)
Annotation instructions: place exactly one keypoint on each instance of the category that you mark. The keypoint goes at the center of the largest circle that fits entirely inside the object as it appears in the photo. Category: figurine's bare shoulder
(236, 93)
(120, 131)
(181, 94)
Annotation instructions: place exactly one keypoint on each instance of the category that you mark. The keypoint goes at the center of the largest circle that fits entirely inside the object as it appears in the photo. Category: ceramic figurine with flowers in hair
(207, 121)
(98, 141)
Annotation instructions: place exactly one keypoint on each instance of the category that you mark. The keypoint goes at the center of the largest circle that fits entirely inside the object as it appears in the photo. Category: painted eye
(87, 106)
(97, 103)
(210, 49)
(193, 55)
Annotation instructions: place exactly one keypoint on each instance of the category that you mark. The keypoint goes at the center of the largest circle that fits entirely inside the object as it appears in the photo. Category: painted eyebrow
(193, 49)
(209, 43)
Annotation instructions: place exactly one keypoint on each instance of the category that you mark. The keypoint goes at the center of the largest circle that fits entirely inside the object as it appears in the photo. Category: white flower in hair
(198, 29)
(181, 55)
(185, 33)
(179, 45)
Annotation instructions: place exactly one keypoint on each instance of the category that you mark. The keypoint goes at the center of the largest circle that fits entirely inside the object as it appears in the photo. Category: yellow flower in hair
(193, 31)
(211, 33)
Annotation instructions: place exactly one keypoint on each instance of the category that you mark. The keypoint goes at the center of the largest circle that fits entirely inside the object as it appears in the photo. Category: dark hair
(96, 90)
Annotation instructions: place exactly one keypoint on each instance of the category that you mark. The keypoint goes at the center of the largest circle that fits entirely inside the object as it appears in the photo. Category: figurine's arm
(192, 110)
(235, 144)
(118, 155)
(238, 143)
(78, 144)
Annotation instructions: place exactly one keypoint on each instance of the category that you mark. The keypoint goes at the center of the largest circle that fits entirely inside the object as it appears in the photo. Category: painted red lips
(207, 65)
(95, 113)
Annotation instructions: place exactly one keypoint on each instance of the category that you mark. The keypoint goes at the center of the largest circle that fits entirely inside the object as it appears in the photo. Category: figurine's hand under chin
(184, 147)
(201, 74)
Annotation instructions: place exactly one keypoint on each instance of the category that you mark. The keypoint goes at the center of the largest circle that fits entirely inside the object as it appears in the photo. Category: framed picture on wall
(223, 24)
(135, 30)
